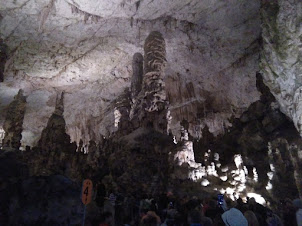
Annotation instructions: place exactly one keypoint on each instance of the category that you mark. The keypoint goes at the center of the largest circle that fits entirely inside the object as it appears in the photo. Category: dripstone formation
(155, 62)
(137, 76)
(54, 136)
(150, 106)
(3, 58)
(139, 159)
(14, 121)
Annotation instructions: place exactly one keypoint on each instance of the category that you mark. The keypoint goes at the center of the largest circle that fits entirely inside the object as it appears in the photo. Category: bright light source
(257, 197)
(224, 178)
(255, 174)
(238, 160)
(205, 182)
(174, 140)
(269, 186)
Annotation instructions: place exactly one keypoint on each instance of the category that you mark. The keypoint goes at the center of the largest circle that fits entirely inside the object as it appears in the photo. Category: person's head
(194, 217)
(251, 218)
(150, 219)
(252, 201)
(234, 217)
(239, 201)
(170, 205)
(288, 203)
(107, 217)
(127, 220)
(212, 204)
(297, 203)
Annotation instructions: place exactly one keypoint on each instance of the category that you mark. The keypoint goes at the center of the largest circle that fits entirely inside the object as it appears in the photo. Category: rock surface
(191, 114)
(86, 50)
(14, 121)
(281, 60)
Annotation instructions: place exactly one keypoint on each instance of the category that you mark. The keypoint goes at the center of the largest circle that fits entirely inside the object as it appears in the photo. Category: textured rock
(197, 82)
(14, 121)
(39, 107)
(54, 137)
(86, 50)
(266, 166)
(281, 63)
(3, 58)
(149, 108)
(154, 64)
(137, 76)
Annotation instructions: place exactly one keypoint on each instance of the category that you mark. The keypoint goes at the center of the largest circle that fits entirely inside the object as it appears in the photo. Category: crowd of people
(170, 210)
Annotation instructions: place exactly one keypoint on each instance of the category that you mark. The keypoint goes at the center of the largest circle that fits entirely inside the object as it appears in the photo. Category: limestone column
(14, 122)
(154, 65)
(137, 77)
(296, 157)
(3, 59)
(149, 108)
(54, 136)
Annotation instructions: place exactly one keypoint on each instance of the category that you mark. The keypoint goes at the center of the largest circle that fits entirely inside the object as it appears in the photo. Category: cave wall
(281, 54)
(197, 118)
(87, 53)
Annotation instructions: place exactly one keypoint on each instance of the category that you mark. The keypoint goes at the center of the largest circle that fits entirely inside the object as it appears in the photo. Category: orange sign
(87, 191)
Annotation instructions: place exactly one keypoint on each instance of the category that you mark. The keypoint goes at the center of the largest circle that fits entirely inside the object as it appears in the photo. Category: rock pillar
(54, 137)
(14, 122)
(137, 77)
(3, 59)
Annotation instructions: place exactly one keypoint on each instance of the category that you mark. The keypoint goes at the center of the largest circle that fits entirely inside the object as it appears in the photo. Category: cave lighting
(2, 134)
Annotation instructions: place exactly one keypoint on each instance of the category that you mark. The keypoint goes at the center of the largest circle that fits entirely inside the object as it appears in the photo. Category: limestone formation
(149, 108)
(86, 50)
(54, 137)
(14, 121)
(137, 76)
(154, 65)
(295, 152)
(3, 58)
(199, 81)
(155, 53)
(281, 62)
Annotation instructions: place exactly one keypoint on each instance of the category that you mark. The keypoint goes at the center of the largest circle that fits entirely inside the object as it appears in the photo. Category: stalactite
(137, 4)
(87, 16)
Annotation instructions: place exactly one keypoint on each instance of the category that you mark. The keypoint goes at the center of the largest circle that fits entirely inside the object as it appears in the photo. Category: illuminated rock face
(154, 65)
(281, 63)
(150, 105)
(197, 77)
(86, 50)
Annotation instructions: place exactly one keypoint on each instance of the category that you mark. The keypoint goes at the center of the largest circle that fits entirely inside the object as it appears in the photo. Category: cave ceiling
(84, 48)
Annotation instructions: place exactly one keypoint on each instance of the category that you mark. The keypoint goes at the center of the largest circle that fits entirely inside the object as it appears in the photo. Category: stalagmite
(14, 121)
(137, 77)
(150, 106)
(154, 65)
(54, 137)
(3, 59)
(155, 52)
